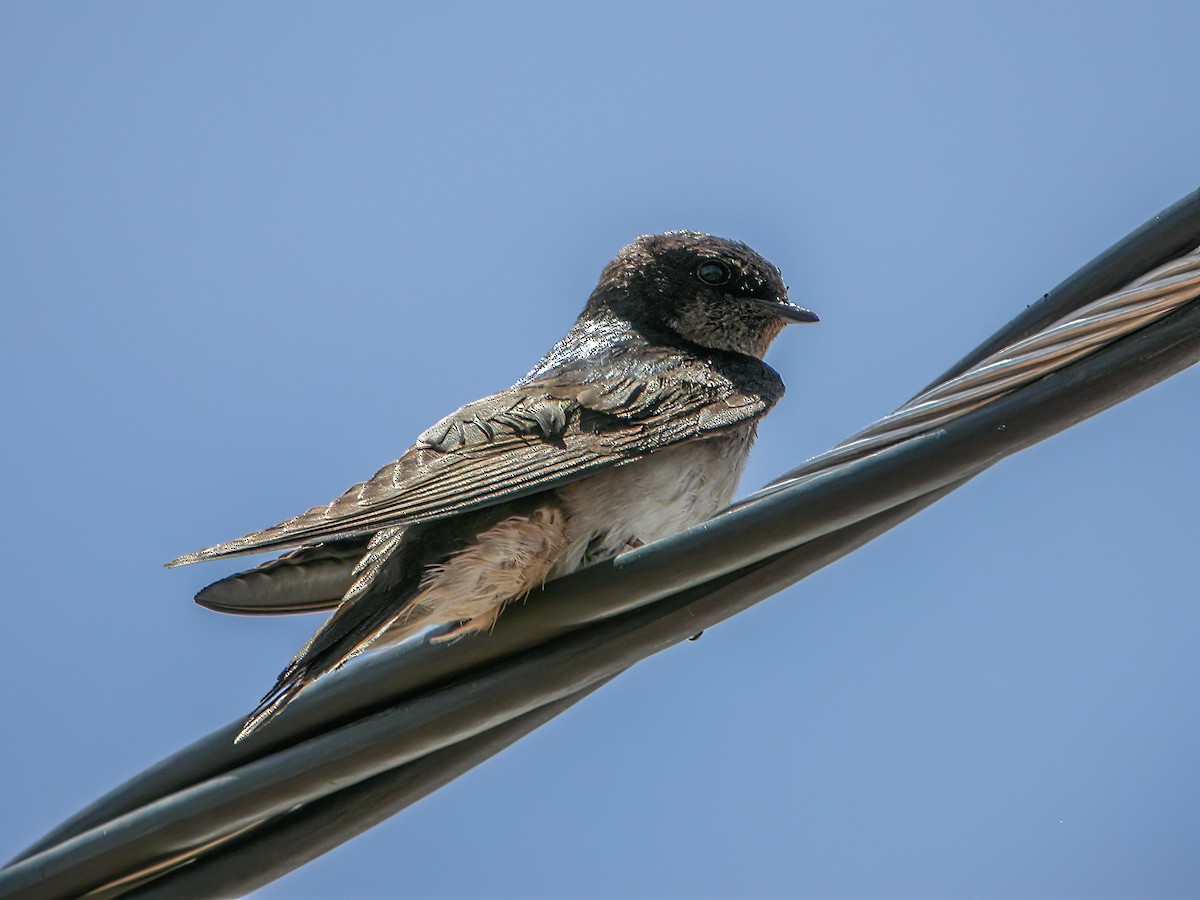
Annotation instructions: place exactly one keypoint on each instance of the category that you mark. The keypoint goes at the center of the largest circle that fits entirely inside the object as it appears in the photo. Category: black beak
(789, 311)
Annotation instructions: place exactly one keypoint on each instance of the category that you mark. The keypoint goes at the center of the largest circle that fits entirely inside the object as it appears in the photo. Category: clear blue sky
(249, 252)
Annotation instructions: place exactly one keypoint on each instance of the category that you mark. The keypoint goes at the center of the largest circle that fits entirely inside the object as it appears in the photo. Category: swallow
(634, 426)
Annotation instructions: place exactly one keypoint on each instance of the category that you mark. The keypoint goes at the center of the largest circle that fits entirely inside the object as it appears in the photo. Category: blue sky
(251, 252)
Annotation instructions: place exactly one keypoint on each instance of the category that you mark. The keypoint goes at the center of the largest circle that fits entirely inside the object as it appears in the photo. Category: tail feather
(388, 579)
(272, 705)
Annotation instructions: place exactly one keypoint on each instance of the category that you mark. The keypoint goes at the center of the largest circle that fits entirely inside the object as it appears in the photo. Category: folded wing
(568, 424)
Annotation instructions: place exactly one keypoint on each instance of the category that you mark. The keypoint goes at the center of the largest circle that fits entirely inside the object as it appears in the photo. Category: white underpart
(580, 524)
(659, 495)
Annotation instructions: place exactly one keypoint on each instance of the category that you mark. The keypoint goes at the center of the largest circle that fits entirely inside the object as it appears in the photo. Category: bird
(634, 426)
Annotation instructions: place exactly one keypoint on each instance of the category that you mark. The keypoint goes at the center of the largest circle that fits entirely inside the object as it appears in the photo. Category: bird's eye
(713, 272)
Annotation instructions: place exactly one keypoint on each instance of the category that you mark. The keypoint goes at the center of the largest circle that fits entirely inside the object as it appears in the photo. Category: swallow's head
(710, 291)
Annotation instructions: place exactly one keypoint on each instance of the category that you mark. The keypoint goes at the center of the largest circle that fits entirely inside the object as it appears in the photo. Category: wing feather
(533, 437)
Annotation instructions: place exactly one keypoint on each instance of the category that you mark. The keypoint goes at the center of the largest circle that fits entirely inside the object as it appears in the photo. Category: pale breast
(664, 493)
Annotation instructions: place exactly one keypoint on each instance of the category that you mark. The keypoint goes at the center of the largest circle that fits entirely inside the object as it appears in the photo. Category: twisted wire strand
(139, 823)
(1097, 324)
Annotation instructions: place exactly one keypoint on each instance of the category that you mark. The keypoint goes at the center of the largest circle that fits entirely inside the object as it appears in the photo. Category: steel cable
(1087, 345)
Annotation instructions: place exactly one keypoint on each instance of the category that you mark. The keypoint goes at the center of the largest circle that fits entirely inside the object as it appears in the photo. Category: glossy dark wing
(538, 435)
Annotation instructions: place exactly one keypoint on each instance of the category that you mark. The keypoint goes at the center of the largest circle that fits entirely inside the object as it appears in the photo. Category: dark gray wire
(265, 854)
(1098, 323)
(245, 862)
(590, 626)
